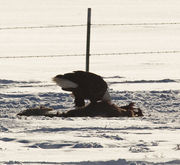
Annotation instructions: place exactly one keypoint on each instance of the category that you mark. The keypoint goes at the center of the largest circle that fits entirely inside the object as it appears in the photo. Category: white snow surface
(152, 81)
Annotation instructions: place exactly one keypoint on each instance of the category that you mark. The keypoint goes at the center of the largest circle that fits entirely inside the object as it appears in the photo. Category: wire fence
(93, 25)
(95, 54)
(41, 27)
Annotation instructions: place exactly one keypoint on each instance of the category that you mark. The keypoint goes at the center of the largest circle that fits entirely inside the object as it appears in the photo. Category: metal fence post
(88, 39)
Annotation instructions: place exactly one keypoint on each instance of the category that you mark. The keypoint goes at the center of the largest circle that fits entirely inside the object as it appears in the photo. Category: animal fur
(103, 109)
(99, 109)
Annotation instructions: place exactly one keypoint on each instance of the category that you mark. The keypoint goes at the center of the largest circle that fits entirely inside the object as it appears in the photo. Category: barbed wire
(95, 54)
(43, 56)
(40, 27)
(82, 25)
(136, 53)
(139, 24)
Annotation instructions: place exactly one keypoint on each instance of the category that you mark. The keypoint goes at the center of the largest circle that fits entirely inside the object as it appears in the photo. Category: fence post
(88, 39)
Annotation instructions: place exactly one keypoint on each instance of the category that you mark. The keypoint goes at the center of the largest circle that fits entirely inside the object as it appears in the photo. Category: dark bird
(84, 85)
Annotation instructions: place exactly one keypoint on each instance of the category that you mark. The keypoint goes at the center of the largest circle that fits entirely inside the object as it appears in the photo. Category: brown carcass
(98, 109)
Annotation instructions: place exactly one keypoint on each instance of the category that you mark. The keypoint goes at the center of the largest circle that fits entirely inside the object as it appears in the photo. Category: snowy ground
(152, 81)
